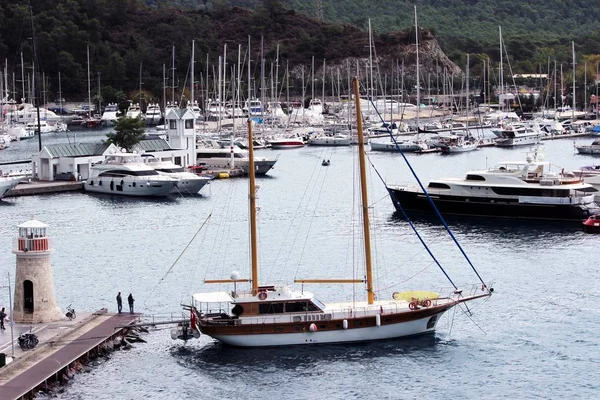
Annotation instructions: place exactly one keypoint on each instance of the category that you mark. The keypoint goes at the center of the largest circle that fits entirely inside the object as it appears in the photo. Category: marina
(523, 260)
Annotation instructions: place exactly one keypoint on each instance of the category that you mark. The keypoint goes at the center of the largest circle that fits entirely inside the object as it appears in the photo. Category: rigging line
(312, 217)
(469, 315)
(409, 220)
(396, 202)
(182, 252)
(303, 214)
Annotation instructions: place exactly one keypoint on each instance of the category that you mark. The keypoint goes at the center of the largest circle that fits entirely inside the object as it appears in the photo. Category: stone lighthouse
(34, 300)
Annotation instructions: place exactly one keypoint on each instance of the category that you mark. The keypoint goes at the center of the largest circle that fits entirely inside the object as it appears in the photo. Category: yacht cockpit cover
(213, 297)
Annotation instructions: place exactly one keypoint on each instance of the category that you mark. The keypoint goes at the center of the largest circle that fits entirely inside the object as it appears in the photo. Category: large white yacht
(110, 114)
(217, 157)
(188, 182)
(127, 174)
(510, 189)
(519, 135)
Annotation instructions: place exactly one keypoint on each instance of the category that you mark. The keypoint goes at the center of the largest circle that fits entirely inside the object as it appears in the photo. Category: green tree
(128, 132)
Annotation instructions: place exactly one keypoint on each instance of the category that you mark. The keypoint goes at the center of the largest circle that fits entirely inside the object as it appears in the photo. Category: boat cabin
(268, 300)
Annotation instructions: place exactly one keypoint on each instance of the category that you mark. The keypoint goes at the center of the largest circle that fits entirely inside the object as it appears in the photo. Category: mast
(467, 101)
(501, 72)
(173, 76)
(224, 92)
(37, 102)
(555, 89)
(363, 188)
(194, 155)
(585, 89)
(370, 72)
(418, 83)
(22, 79)
(252, 210)
(164, 89)
(573, 95)
(237, 86)
(89, 83)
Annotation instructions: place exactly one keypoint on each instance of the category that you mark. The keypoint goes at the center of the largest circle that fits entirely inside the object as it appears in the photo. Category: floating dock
(41, 187)
(61, 346)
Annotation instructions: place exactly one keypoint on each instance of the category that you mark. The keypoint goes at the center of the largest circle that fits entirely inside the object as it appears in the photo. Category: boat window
(270, 308)
(170, 169)
(122, 173)
(471, 177)
(316, 305)
(538, 192)
(212, 155)
(588, 190)
(438, 185)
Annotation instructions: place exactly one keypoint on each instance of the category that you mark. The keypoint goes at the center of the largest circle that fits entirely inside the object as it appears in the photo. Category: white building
(68, 161)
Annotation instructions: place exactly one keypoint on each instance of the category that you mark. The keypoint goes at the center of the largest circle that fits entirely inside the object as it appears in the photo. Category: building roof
(77, 150)
(33, 223)
(179, 113)
(151, 145)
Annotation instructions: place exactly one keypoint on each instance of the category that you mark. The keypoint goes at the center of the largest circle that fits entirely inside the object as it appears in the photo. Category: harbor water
(536, 337)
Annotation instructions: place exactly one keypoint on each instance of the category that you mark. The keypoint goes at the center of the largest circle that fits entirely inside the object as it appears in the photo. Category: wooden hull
(359, 329)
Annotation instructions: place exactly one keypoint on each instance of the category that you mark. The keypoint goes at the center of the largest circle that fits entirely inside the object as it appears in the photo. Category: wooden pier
(61, 345)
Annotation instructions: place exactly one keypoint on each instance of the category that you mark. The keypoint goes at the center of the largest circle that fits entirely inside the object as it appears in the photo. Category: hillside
(126, 36)
(532, 29)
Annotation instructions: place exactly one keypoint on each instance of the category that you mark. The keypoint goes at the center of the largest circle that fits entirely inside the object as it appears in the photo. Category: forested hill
(534, 28)
(126, 37)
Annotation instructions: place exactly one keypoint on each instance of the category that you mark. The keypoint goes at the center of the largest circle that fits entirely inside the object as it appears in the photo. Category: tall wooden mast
(252, 196)
(363, 188)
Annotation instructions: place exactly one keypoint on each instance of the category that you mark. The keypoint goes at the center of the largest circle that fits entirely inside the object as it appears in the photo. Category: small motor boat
(592, 224)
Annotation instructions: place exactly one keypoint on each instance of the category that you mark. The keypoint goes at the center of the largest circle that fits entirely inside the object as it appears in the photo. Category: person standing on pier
(130, 300)
(119, 302)
(2, 317)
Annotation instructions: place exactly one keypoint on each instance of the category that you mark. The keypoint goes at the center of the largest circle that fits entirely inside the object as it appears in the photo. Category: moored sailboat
(268, 315)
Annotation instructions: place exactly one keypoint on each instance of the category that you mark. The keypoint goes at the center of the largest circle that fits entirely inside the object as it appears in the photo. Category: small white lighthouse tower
(181, 132)
(34, 299)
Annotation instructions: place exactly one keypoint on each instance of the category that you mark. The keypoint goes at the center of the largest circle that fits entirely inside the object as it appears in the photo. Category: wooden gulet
(280, 316)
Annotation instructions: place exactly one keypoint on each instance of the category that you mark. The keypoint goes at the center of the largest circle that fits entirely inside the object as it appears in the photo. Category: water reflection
(215, 357)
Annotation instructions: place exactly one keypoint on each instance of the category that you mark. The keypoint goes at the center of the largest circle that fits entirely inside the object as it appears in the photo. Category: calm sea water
(535, 338)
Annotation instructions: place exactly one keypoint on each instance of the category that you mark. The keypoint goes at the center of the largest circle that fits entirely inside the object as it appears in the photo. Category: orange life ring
(262, 295)
(412, 305)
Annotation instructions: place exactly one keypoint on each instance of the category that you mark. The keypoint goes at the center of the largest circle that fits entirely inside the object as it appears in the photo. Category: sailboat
(268, 315)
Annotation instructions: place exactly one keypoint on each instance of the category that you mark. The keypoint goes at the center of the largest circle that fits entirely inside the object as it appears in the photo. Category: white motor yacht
(153, 114)
(7, 183)
(134, 111)
(188, 181)
(217, 157)
(593, 148)
(326, 139)
(518, 135)
(127, 174)
(110, 114)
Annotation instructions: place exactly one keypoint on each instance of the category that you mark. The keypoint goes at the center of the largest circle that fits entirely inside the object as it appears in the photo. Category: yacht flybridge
(279, 316)
(510, 189)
